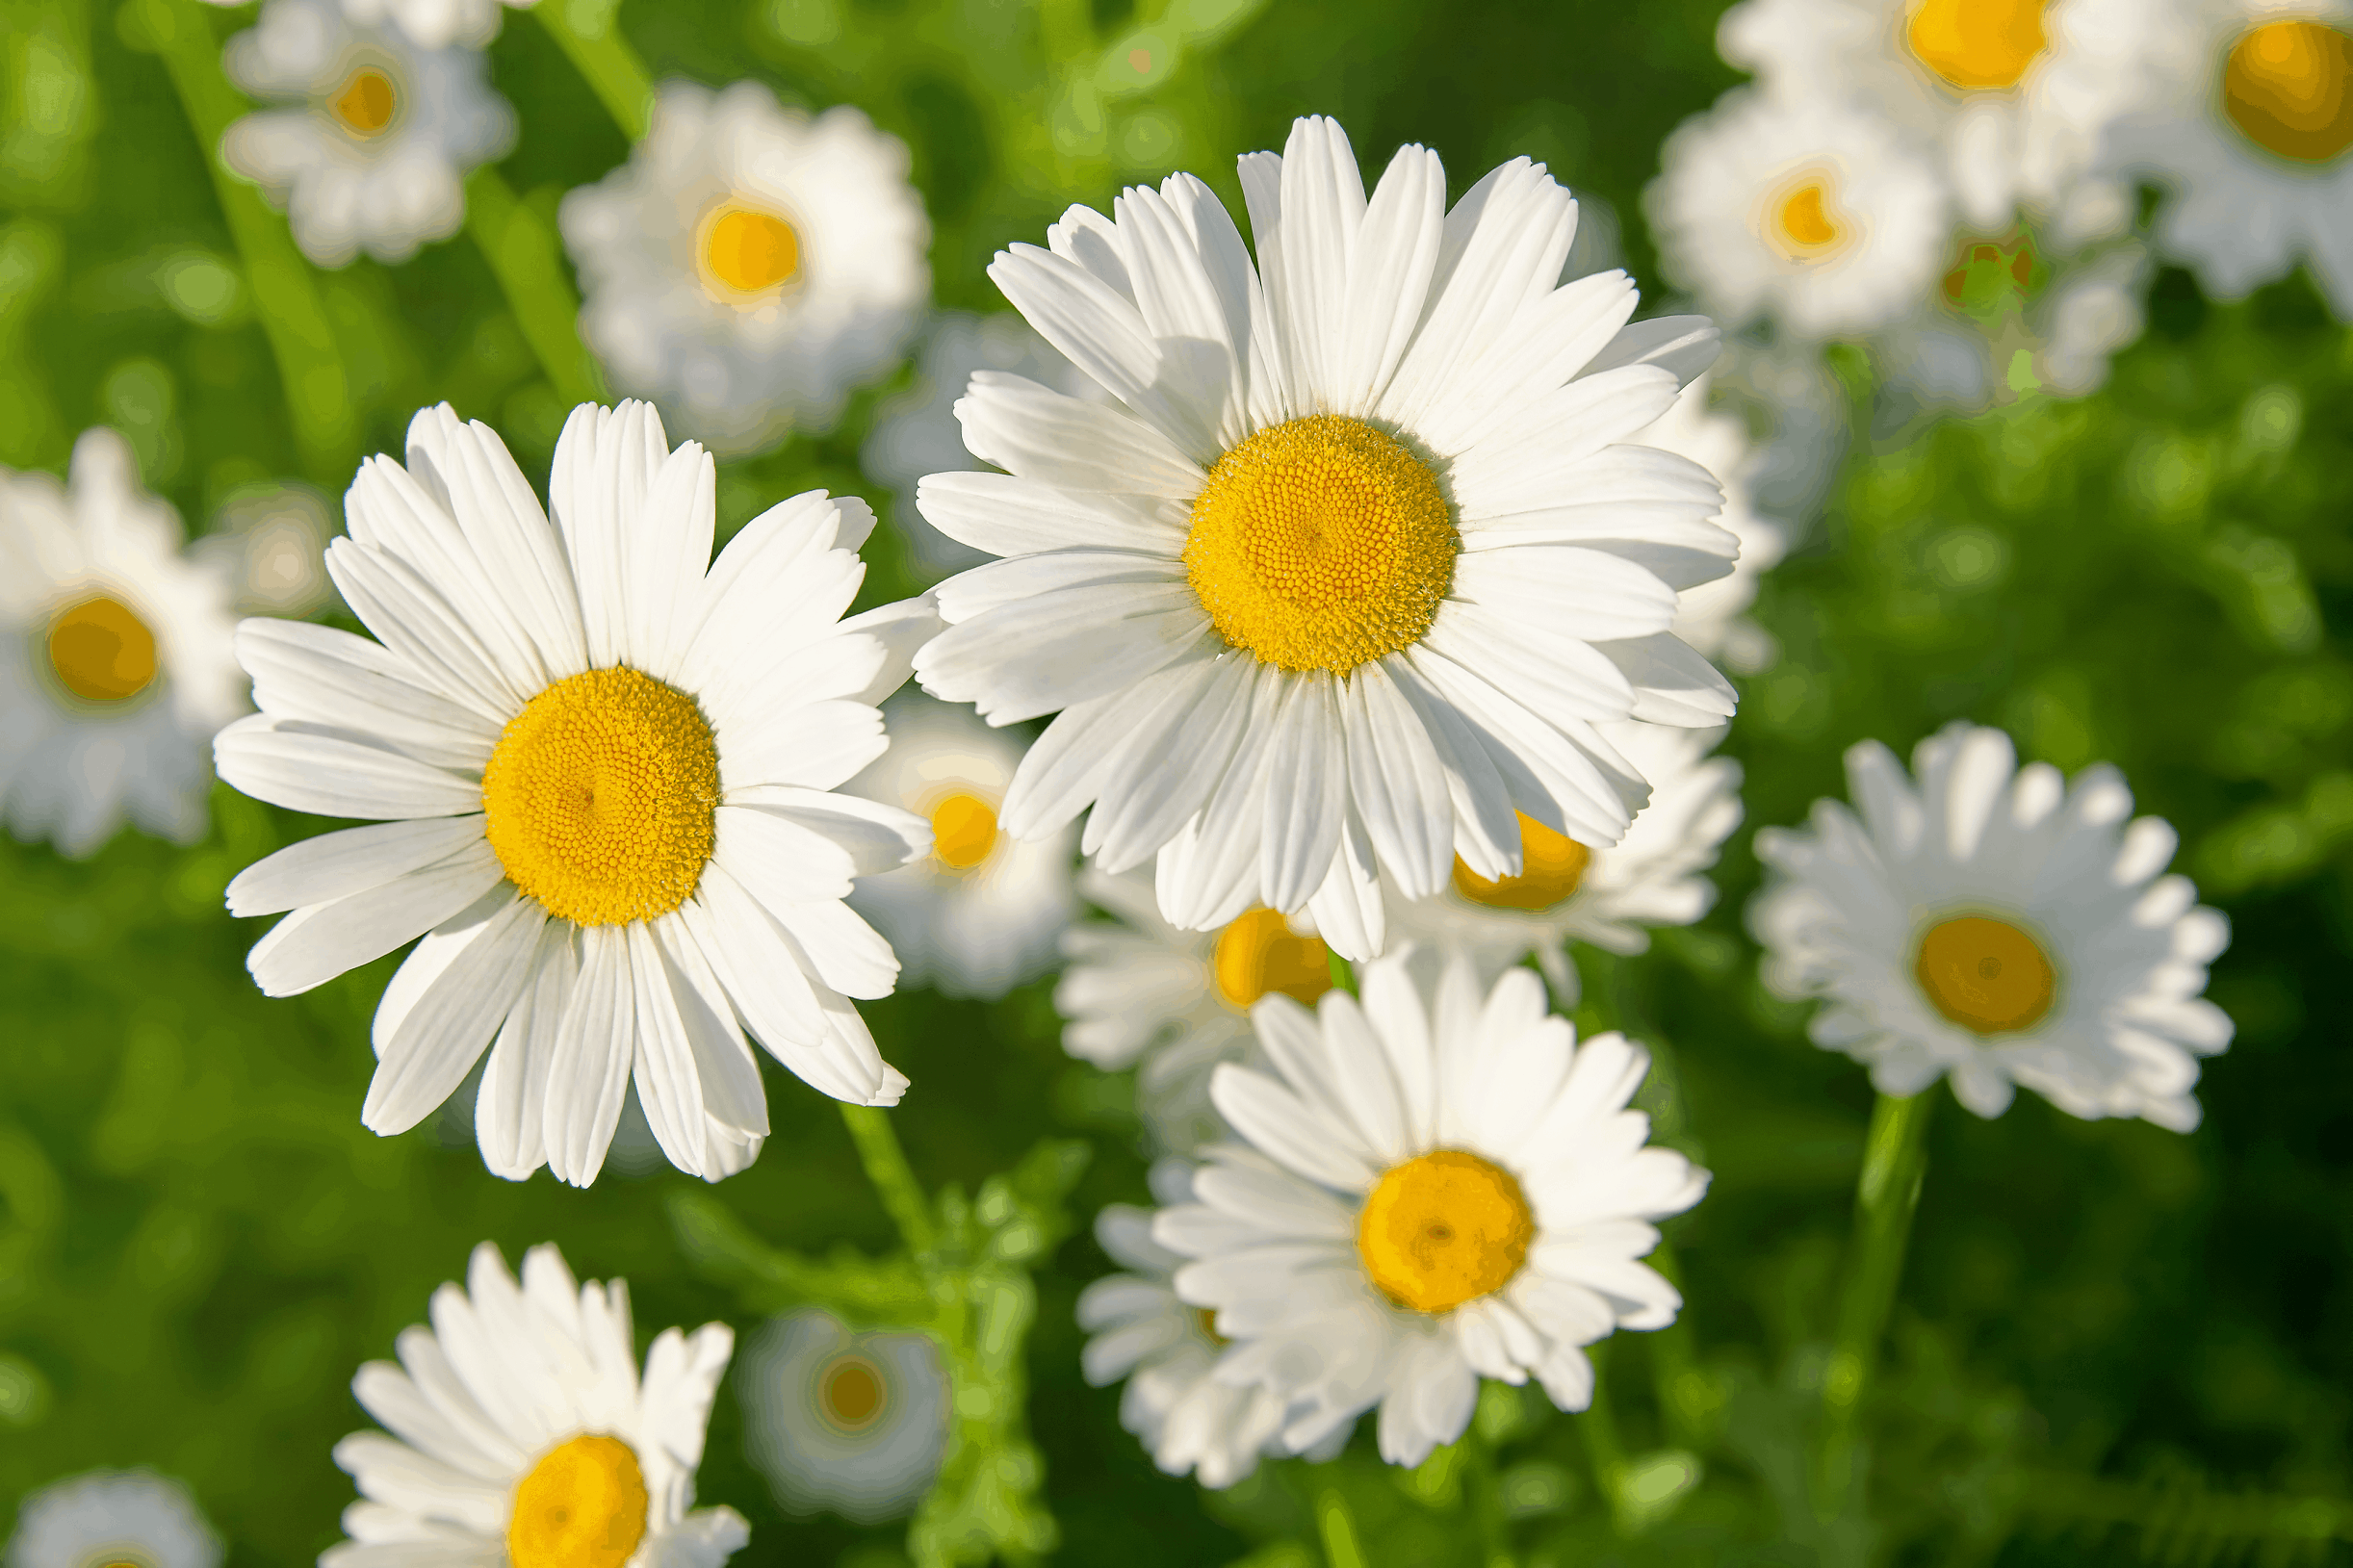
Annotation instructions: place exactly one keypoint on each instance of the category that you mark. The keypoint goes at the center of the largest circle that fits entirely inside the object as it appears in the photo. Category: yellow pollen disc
(365, 102)
(2289, 86)
(747, 251)
(1443, 1229)
(1321, 544)
(1257, 954)
(1803, 225)
(1552, 864)
(584, 1506)
(1978, 43)
(852, 1392)
(101, 651)
(599, 797)
(963, 832)
(1985, 975)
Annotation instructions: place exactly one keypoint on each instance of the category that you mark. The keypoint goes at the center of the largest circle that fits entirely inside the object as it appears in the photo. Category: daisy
(855, 1424)
(1823, 217)
(980, 913)
(518, 1432)
(749, 265)
(1992, 923)
(373, 151)
(436, 24)
(1456, 1190)
(112, 1519)
(115, 656)
(2243, 109)
(606, 776)
(1187, 1421)
(1174, 1004)
(1711, 617)
(1356, 562)
(1609, 897)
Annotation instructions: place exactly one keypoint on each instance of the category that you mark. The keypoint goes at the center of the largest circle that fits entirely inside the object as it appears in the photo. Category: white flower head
(1188, 1420)
(1992, 923)
(436, 24)
(518, 1430)
(1359, 556)
(115, 656)
(112, 1517)
(855, 1424)
(607, 764)
(372, 152)
(1822, 215)
(749, 265)
(1440, 1185)
(1655, 876)
(981, 914)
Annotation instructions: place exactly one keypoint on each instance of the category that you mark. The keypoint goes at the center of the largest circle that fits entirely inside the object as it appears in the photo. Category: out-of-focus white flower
(1709, 616)
(856, 1424)
(273, 541)
(117, 659)
(750, 265)
(1798, 413)
(2056, 338)
(109, 1519)
(373, 154)
(436, 24)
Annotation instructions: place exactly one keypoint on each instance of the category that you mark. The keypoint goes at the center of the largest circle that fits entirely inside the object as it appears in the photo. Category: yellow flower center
(2289, 86)
(365, 102)
(963, 832)
(851, 1392)
(1978, 43)
(1551, 865)
(584, 1506)
(599, 797)
(1258, 953)
(1321, 544)
(101, 651)
(746, 251)
(1445, 1228)
(1985, 975)
(1802, 222)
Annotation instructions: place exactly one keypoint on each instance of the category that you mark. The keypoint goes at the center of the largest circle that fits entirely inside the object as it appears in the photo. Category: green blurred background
(2113, 1341)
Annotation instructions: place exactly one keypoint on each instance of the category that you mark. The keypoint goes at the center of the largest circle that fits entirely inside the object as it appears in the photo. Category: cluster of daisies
(1367, 573)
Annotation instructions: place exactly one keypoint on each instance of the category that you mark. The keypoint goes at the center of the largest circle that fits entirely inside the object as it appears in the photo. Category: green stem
(524, 256)
(1604, 1449)
(1486, 1481)
(1339, 1528)
(587, 32)
(285, 294)
(1894, 1159)
(1343, 974)
(895, 1183)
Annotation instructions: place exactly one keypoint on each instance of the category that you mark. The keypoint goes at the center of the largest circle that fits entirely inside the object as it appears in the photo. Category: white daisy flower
(982, 913)
(1190, 1423)
(273, 541)
(1174, 1004)
(373, 151)
(854, 1424)
(749, 266)
(115, 656)
(518, 1432)
(1359, 559)
(1456, 1191)
(112, 1519)
(437, 24)
(1655, 876)
(1711, 617)
(1991, 923)
(2243, 109)
(1821, 215)
(915, 432)
(608, 773)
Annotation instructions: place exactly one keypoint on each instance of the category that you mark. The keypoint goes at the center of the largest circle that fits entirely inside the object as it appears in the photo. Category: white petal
(326, 775)
(336, 864)
(426, 1053)
(319, 941)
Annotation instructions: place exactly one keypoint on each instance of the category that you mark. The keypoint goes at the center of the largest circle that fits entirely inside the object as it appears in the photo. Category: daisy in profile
(1654, 875)
(853, 1423)
(1438, 1186)
(749, 266)
(1823, 217)
(606, 776)
(1188, 1420)
(378, 131)
(112, 1519)
(519, 1430)
(1992, 924)
(1139, 992)
(982, 913)
(117, 662)
(1710, 618)
(2243, 111)
(1349, 569)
